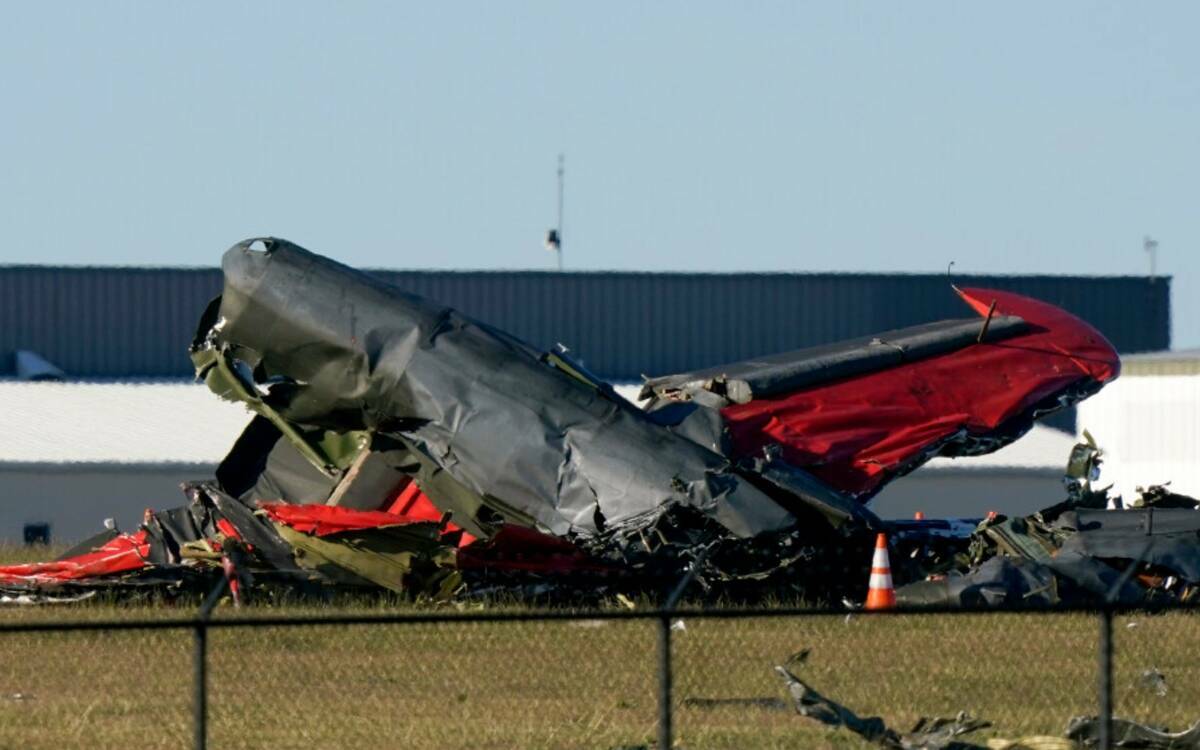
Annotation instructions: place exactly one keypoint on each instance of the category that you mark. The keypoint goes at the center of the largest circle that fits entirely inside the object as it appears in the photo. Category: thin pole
(200, 664)
(665, 730)
(200, 688)
(561, 173)
(1106, 678)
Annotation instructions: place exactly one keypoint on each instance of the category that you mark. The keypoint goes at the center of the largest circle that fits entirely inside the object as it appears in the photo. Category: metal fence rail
(718, 638)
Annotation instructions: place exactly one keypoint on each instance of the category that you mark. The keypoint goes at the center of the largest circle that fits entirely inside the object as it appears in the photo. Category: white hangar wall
(1148, 426)
(89, 451)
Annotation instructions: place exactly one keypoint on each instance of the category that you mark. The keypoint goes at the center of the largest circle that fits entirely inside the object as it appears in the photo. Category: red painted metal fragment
(859, 432)
(122, 554)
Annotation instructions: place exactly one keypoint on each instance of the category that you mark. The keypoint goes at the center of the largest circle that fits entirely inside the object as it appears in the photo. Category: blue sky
(1014, 138)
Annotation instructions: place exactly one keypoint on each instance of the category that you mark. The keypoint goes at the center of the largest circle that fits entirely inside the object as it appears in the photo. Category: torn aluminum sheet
(298, 546)
(1078, 551)
(118, 555)
(1082, 733)
(1131, 734)
(345, 373)
(172, 550)
(334, 360)
(368, 548)
(909, 395)
(928, 734)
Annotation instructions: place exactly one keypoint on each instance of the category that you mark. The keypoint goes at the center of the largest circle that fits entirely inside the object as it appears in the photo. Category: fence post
(200, 687)
(200, 665)
(665, 729)
(665, 675)
(1106, 677)
(1106, 639)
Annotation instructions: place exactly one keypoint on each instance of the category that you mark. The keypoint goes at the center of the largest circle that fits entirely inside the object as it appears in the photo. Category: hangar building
(125, 424)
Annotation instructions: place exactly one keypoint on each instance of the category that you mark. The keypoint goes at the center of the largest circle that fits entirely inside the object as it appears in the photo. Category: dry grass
(588, 684)
(12, 554)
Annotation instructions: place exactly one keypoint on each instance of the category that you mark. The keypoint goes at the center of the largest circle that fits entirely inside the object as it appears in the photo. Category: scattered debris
(928, 734)
(1087, 549)
(1130, 734)
(1082, 733)
(398, 444)
(1152, 679)
(26, 600)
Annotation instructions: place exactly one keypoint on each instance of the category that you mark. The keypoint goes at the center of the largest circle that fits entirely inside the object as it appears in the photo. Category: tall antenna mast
(561, 173)
(554, 235)
(1149, 245)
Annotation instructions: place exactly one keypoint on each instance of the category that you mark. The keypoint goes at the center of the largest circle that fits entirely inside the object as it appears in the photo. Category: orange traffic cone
(880, 594)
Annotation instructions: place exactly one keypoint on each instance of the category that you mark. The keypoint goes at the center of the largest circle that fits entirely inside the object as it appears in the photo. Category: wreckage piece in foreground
(369, 385)
(1083, 732)
(358, 385)
(1080, 551)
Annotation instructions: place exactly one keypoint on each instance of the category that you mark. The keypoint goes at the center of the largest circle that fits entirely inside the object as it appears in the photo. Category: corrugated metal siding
(104, 322)
(132, 322)
(625, 324)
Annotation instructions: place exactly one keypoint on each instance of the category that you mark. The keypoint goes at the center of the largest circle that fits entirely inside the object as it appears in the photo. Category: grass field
(580, 684)
(20, 553)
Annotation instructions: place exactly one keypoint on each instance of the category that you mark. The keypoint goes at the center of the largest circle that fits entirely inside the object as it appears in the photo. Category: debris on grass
(396, 444)
(1155, 681)
(1131, 734)
(1082, 733)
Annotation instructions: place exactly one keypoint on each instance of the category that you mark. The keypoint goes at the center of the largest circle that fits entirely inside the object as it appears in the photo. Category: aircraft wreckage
(398, 443)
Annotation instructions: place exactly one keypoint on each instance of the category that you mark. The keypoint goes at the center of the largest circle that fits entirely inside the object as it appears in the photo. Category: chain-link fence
(257, 677)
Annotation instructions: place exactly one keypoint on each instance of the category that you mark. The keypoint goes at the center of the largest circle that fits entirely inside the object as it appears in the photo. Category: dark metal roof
(137, 322)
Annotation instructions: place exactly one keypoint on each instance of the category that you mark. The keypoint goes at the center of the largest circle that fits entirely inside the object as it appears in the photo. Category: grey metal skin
(334, 348)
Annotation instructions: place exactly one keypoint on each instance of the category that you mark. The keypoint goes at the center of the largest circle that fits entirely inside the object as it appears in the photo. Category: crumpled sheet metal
(372, 551)
(332, 348)
(368, 399)
(325, 520)
(170, 548)
(1006, 582)
(119, 555)
(1072, 554)
(1131, 734)
(928, 734)
(1083, 732)
(857, 433)
(1165, 537)
(998, 582)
